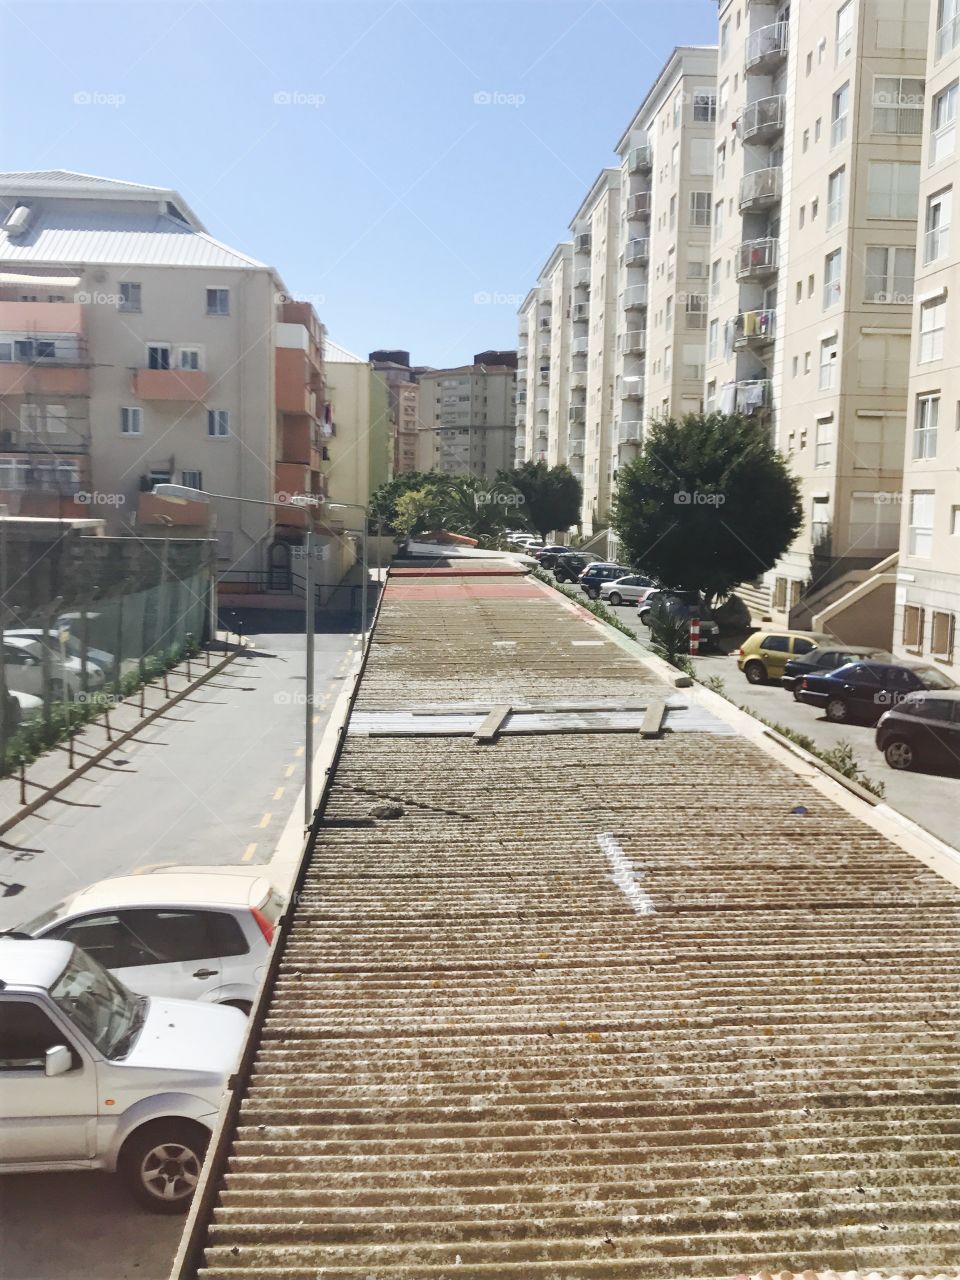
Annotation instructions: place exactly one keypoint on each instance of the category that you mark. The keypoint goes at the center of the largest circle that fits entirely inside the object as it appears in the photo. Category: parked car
(922, 731)
(28, 704)
(627, 589)
(186, 934)
(65, 642)
(682, 604)
(595, 575)
(569, 566)
(95, 1077)
(828, 657)
(764, 655)
(864, 690)
(23, 669)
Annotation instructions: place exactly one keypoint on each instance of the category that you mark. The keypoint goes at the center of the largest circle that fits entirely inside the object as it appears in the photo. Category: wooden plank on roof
(493, 723)
(653, 719)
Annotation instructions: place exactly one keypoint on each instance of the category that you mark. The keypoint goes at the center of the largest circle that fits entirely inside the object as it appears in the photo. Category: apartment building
(360, 449)
(927, 593)
(528, 445)
(596, 255)
(666, 156)
(468, 417)
(395, 370)
(819, 124)
(136, 349)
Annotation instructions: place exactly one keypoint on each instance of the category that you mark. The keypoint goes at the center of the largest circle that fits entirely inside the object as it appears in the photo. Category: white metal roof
(333, 353)
(182, 888)
(32, 964)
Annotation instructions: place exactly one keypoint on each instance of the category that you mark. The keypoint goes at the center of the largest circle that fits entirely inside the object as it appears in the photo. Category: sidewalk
(97, 741)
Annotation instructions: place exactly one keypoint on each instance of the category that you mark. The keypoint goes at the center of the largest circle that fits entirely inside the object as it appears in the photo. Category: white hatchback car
(626, 590)
(23, 669)
(94, 1077)
(189, 935)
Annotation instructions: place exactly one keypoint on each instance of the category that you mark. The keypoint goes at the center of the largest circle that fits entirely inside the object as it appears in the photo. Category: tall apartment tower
(819, 117)
(927, 603)
(468, 417)
(596, 249)
(667, 155)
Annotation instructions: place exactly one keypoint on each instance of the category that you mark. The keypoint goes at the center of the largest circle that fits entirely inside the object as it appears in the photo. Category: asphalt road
(214, 786)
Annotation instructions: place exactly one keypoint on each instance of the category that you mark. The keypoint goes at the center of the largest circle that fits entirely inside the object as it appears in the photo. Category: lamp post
(358, 506)
(183, 493)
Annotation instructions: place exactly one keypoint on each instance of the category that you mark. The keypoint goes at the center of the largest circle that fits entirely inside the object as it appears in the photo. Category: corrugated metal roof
(589, 1006)
(65, 236)
(59, 180)
(333, 353)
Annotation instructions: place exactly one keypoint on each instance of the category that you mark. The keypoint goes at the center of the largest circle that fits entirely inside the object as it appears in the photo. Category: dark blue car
(865, 690)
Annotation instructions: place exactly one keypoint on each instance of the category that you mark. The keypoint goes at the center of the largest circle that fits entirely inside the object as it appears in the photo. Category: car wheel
(161, 1163)
(837, 711)
(900, 754)
(616, 597)
(755, 672)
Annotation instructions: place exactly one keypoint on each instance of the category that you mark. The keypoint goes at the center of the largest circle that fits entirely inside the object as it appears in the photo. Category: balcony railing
(581, 278)
(766, 47)
(578, 381)
(763, 119)
(757, 259)
(635, 296)
(581, 242)
(638, 251)
(543, 404)
(576, 448)
(754, 328)
(761, 188)
(579, 346)
(640, 158)
(752, 396)
(543, 378)
(631, 431)
(634, 341)
(577, 413)
(631, 389)
(638, 205)
(581, 311)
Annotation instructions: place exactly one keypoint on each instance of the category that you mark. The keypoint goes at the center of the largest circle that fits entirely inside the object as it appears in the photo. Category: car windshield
(34, 926)
(98, 1005)
(931, 678)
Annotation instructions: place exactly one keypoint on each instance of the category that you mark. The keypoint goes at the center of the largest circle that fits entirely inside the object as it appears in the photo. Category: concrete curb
(47, 795)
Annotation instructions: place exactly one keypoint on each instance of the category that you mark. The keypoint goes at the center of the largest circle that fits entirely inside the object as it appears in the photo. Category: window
(893, 189)
(715, 280)
(674, 159)
(776, 644)
(677, 110)
(158, 356)
(724, 40)
(668, 310)
(188, 935)
(803, 215)
(26, 1033)
(838, 115)
(696, 311)
(668, 360)
(718, 220)
(925, 427)
(721, 161)
(108, 940)
(898, 105)
(699, 208)
(844, 40)
(832, 268)
(713, 340)
(192, 479)
(889, 275)
(218, 302)
(818, 129)
(806, 140)
(711, 404)
(673, 212)
(814, 209)
(218, 422)
(955, 522)
(828, 363)
(913, 627)
(920, 528)
(883, 360)
(129, 296)
(943, 123)
(933, 316)
(948, 26)
(941, 643)
(188, 358)
(723, 96)
(823, 448)
(836, 191)
(131, 421)
(936, 240)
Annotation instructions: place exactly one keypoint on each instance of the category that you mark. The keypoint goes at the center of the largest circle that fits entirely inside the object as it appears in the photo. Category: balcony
(638, 205)
(631, 389)
(637, 252)
(576, 448)
(752, 396)
(184, 385)
(576, 414)
(543, 404)
(635, 296)
(634, 342)
(640, 159)
(631, 431)
(758, 259)
(543, 378)
(164, 513)
(762, 120)
(578, 381)
(766, 48)
(581, 243)
(581, 311)
(579, 346)
(581, 278)
(761, 189)
(754, 329)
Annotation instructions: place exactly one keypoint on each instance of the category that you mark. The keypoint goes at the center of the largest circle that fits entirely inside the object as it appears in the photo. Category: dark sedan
(827, 658)
(864, 690)
(923, 732)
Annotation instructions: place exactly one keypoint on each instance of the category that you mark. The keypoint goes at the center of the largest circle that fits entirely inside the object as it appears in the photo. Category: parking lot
(929, 799)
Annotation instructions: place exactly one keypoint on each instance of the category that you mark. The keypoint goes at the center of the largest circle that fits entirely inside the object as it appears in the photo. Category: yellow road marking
(278, 793)
(265, 820)
(248, 853)
(290, 770)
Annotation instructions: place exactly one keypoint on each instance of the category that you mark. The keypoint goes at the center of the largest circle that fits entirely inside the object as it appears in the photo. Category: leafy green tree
(478, 509)
(709, 503)
(551, 496)
(418, 510)
(383, 502)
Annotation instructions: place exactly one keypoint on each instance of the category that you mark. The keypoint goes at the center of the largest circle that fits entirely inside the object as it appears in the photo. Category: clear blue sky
(396, 199)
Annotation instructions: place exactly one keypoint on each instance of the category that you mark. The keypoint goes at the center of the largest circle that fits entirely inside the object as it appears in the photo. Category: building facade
(468, 417)
(395, 370)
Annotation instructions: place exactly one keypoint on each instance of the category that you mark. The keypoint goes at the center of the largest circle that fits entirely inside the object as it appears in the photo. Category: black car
(823, 658)
(547, 557)
(683, 604)
(865, 690)
(569, 566)
(594, 574)
(923, 731)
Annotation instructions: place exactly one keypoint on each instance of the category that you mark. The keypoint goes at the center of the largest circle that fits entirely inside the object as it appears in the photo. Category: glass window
(776, 644)
(188, 935)
(107, 939)
(129, 296)
(898, 105)
(832, 287)
(828, 364)
(26, 1033)
(97, 1005)
(933, 317)
(699, 208)
(218, 302)
(889, 275)
(943, 123)
(948, 26)
(925, 427)
(158, 356)
(836, 189)
(936, 240)
(844, 40)
(218, 422)
(839, 113)
(802, 646)
(893, 189)
(920, 528)
(131, 420)
(823, 452)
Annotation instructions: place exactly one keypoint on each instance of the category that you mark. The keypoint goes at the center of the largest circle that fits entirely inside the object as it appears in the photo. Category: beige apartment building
(819, 122)
(468, 417)
(927, 594)
(136, 349)
(666, 158)
(527, 368)
(395, 370)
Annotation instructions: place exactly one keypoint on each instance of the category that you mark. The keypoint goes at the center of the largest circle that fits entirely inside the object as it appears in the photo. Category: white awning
(43, 282)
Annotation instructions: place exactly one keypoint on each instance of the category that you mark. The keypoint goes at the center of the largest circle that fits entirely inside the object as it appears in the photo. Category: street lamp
(358, 506)
(184, 493)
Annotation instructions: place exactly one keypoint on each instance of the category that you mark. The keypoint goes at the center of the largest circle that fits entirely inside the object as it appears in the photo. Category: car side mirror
(58, 1061)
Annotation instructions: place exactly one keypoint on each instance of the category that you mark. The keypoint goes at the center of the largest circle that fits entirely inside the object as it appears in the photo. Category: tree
(708, 504)
(383, 503)
(417, 511)
(551, 496)
(477, 509)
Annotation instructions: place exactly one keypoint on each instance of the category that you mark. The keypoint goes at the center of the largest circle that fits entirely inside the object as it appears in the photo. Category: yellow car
(764, 655)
